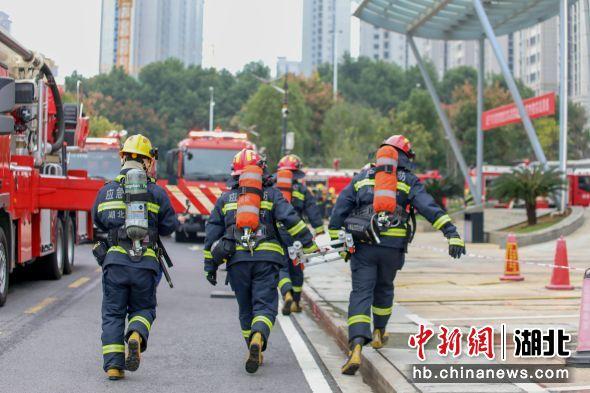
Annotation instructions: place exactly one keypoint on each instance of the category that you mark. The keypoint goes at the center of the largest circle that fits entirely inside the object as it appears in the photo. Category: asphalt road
(50, 339)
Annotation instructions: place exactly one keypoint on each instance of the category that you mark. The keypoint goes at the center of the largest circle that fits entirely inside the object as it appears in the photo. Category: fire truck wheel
(4, 268)
(54, 262)
(70, 245)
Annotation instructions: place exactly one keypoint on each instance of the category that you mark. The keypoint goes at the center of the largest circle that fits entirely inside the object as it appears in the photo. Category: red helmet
(244, 158)
(291, 162)
(400, 142)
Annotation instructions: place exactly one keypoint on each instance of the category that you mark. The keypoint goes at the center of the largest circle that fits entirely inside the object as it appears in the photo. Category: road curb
(565, 227)
(376, 371)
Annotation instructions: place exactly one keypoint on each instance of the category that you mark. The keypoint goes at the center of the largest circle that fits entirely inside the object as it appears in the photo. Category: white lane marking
(418, 320)
(568, 388)
(312, 372)
(531, 387)
(507, 318)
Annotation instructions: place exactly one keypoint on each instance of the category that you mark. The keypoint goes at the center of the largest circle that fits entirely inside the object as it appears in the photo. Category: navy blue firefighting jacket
(359, 194)
(306, 207)
(109, 213)
(274, 209)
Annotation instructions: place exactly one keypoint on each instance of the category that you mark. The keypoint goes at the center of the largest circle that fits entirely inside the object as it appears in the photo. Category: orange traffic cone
(560, 278)
(582, 356)
(512, 267)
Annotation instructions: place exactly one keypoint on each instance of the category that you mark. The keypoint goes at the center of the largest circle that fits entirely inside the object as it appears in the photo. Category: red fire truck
(99, 156)
(39, 198)
(197, 174)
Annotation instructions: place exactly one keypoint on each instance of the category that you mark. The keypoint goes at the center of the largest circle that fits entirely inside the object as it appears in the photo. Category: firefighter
(374, 266)
(253, 255)
(291, 276)
(130, 275)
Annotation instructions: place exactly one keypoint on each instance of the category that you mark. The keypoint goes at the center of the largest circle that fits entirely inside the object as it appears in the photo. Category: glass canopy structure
(475, 20)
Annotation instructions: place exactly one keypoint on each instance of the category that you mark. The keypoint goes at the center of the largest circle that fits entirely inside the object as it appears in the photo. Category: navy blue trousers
(291, 279)
(373, 271)
(128, 292)
(255, 286)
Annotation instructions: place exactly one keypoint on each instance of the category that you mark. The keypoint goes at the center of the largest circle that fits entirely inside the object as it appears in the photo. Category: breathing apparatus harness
(222, 250)
(366, 225)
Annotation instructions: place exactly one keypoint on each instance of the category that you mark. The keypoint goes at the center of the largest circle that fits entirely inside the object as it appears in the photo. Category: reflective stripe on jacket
(109, 213)
(359, 194)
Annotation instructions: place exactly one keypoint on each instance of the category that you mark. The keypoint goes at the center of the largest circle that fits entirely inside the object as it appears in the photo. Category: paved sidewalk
(432, 289)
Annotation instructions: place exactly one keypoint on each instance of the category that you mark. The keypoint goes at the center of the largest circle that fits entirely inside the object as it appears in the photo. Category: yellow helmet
(139, 144)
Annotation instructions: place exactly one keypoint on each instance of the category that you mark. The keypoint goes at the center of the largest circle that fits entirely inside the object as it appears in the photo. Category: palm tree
(527, 183)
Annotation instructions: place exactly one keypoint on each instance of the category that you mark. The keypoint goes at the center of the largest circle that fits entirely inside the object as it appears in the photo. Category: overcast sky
(235, 31)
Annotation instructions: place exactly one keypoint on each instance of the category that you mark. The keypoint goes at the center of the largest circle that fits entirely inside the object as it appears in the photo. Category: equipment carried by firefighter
(385, 191)
(344, 243)
(164, 260)
(249, 200)
(136, 211)
(285, 183)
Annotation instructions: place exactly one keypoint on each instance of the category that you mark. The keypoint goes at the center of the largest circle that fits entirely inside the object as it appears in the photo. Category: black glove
(212, 277)
(456, 246)
(99, 250)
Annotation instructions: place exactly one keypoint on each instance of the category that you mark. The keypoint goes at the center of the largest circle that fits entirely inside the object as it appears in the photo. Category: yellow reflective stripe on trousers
(334, 233)
(298, 195)
(111, 205)
(294, 230)
(319, 230)
(314, 247)
(263, 319)
(362, 183)
(442, 220)
(381, 311)
(284, 281)
(207, 254)
(264, 247)
(297, 289)
(148, 253)
(360, 318)
(246, 333)
(139, 318)
(455, 241)
(113, 348)
(394, 232)
(403, 187)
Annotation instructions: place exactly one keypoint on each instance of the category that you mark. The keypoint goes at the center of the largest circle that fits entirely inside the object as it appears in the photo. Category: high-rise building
(319, 19)
(285, 66)
(5, 21)
(536, 56)
(380, 44)
(136, 33)
(579, 60)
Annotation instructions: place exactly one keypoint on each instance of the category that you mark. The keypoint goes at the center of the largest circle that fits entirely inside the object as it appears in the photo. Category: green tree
(319, 99)
(456, 77)
(527, 183)
(416, 119)
(100, 126)
(351, 132)
(263, 110)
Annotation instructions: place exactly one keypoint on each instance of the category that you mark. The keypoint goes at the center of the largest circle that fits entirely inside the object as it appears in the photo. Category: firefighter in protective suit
(253, 262)
(129, 280)
(374, 266)
(291, 276)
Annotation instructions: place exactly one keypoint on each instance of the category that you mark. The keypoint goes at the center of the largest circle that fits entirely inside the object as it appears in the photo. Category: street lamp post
(211, 107)
(284, 116)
